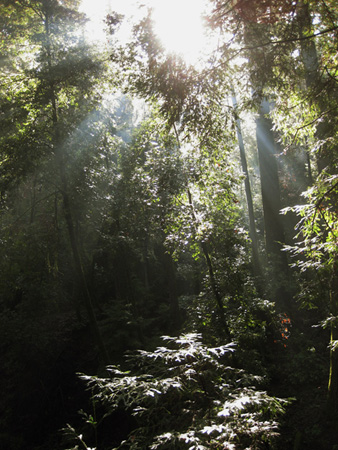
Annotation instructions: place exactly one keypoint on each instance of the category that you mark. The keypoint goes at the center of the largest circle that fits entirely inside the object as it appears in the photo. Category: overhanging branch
(294, 39)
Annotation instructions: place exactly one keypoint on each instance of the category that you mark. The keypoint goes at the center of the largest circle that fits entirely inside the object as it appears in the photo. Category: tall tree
(268, 163)
(61, 73)
(296, 68)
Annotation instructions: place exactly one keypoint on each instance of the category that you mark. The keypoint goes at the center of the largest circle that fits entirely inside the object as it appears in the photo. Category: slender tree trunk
(60, 160)
(33, 202)
(146, 263)
(82, 280)
(205, 251)
(215, 290)
(213, 282)
(252, 225)
(175, 313)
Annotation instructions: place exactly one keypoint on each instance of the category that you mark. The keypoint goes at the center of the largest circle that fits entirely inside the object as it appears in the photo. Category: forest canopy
(169, 226)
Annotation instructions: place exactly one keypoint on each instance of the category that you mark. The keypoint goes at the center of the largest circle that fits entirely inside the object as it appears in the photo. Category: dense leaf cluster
(190, 396)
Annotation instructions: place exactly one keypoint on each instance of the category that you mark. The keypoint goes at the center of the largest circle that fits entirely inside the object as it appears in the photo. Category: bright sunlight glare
(177, 23)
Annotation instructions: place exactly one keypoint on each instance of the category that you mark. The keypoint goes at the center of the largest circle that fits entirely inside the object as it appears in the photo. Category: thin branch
(318, 203)
(284, 41)
(224, 13)
(177, 135)
(29, 209)
(332, 77)
(307, 125)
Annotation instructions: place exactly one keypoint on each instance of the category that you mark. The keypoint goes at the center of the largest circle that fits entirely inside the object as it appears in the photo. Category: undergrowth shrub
(186, 395)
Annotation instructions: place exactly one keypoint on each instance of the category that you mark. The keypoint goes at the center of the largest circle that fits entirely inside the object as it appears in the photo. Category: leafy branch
(186, 395)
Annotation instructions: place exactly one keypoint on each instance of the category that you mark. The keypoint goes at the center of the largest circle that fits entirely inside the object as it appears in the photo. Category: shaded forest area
(168, 244)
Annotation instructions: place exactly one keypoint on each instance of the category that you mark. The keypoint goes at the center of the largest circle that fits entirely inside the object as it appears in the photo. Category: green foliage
(190, 396)
(315, 252)
(48, 63)
(168, 190)
(316, 246)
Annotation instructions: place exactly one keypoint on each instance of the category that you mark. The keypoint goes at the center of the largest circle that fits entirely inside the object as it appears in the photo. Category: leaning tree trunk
(212, 277)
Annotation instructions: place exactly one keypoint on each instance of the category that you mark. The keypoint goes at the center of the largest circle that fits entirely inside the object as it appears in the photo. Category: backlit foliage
(185, 395)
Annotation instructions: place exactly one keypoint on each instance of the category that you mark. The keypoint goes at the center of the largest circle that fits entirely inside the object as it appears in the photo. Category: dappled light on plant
(188, 395)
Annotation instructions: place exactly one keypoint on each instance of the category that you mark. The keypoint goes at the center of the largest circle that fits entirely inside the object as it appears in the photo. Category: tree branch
(295, 39)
